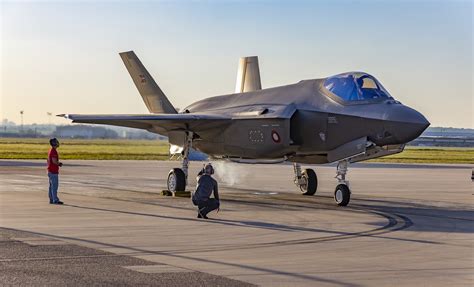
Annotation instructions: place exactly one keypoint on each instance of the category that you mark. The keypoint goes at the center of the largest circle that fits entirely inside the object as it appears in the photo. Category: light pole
(21, 114)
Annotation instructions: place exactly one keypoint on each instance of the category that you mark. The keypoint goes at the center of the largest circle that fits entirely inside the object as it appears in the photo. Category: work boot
(201, 215)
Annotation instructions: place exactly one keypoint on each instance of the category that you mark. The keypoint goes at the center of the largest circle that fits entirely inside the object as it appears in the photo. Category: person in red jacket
(53, 171)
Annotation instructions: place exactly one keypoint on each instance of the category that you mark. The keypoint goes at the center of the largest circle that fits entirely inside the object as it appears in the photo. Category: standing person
(53, 171)
(205, 187)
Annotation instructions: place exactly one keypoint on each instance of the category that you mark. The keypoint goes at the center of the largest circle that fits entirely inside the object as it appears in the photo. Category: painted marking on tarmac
(160, 268)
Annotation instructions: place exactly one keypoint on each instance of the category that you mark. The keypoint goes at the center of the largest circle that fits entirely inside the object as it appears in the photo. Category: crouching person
(206, 186)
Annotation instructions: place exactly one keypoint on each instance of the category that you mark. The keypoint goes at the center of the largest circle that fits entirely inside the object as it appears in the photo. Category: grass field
(19, 148)
(431, 155)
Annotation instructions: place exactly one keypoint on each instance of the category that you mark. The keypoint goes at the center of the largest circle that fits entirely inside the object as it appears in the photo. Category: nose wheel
(342, 193)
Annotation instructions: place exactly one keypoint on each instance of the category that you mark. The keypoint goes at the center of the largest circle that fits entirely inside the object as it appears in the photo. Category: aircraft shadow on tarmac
(238, 223)
(394, 223)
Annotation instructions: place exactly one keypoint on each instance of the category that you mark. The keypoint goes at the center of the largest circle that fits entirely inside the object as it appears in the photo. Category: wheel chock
(182, 194)
(166, 193)
(176, 193)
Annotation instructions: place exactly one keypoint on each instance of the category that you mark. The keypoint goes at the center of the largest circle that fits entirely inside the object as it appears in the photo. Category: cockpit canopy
(356, 86)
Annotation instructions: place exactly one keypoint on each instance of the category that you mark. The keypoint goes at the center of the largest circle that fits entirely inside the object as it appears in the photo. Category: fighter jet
(344, 118)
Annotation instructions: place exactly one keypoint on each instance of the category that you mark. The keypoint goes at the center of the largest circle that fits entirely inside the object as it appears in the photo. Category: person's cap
(53, 141)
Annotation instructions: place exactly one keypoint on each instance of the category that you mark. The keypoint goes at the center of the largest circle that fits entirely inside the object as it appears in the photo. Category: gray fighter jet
(344, 118)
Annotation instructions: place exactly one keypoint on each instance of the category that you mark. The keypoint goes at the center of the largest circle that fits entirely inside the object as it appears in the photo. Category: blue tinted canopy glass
(356, 87)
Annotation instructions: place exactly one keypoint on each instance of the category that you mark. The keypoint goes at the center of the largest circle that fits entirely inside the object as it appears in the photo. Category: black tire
(311, 182)
(342, 195)
(176, 180)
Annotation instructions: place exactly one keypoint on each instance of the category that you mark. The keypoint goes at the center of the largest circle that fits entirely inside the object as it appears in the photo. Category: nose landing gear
(342, 194)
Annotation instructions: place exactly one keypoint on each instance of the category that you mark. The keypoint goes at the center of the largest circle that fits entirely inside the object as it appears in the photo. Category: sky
(62, 57)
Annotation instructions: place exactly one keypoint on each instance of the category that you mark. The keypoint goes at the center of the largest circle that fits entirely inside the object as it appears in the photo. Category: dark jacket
(205, 187)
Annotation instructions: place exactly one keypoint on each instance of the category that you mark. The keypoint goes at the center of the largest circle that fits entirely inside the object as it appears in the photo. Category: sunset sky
(62, 57)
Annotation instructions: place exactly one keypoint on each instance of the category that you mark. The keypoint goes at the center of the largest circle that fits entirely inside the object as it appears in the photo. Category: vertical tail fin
(248, 75)
(154, 98)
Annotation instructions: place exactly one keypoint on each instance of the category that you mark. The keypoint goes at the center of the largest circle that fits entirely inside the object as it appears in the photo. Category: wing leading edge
(157, 123)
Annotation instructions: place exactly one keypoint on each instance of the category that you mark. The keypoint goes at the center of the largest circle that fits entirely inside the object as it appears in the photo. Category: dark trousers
(206, 206)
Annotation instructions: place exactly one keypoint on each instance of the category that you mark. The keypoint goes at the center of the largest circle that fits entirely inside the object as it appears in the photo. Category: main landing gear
(307, 181)
(178, 177)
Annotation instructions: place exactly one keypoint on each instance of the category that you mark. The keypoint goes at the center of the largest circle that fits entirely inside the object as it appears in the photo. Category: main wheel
(342, 195)
(176, 180)
(311, 182)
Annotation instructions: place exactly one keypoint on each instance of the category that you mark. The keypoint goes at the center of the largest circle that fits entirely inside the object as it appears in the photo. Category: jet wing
(157, 123)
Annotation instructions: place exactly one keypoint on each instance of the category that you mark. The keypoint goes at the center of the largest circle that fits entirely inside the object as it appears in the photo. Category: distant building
(443, 141)
(445, 137)
(85, 132)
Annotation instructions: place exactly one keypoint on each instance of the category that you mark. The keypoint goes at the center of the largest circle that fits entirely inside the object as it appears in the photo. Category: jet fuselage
(303, 122)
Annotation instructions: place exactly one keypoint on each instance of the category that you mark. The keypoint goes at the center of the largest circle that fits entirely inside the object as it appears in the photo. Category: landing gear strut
(178, 177)
(342, 194)
(306, 180)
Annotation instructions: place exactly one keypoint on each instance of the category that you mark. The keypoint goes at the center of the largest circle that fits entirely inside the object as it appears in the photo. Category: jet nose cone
(407, 123)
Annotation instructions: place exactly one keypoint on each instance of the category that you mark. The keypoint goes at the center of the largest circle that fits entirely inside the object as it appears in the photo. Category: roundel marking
(275, 136)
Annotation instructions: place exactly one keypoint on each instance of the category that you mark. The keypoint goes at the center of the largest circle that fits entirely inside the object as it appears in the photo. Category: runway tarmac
(406, 225)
